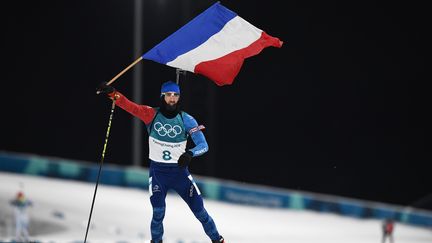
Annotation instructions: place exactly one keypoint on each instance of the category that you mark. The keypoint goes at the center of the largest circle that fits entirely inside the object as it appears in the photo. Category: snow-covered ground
(61, 210)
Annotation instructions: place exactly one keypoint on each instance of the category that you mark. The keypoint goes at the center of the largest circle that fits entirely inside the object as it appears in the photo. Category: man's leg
(208, 225)
(17, 229)
(385, 235)
(156, 225)
(25, 233)
(157, 199)
(190, 193)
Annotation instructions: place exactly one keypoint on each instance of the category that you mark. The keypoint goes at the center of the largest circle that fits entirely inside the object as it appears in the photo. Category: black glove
(103, 88)
(185, 159)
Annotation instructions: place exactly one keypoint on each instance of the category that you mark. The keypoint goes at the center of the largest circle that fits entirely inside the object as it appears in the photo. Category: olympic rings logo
(167, 130)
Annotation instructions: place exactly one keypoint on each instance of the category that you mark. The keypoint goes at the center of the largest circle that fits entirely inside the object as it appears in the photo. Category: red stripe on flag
(223, 70)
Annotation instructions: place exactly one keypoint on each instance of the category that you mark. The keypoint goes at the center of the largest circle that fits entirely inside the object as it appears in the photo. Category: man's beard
(168, 110)
(171, 107)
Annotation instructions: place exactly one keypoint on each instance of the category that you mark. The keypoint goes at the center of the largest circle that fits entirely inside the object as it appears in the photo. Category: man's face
(171, 98)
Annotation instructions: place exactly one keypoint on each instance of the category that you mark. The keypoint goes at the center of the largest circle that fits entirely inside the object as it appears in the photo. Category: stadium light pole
(137, 81)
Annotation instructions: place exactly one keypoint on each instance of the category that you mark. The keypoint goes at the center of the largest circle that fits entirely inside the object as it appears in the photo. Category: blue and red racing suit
(167, 141)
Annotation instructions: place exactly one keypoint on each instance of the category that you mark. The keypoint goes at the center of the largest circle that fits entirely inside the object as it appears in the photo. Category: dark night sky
(342, 108)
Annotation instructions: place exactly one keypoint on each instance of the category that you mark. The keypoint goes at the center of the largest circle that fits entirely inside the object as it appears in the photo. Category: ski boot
(221, 240)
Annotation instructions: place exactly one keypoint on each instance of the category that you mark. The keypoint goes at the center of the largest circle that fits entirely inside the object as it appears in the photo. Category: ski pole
(100, 167)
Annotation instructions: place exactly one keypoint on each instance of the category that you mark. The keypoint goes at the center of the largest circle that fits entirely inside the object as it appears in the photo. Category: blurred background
(340, 109)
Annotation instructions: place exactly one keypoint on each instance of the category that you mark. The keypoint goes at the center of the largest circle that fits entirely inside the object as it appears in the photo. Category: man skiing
(20, 204)
(387, 229)
(169, 128)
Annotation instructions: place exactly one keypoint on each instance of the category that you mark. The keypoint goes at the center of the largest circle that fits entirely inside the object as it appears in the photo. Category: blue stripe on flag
(191, 35)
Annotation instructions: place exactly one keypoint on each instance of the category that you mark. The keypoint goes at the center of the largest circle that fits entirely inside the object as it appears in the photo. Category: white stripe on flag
(235, 35)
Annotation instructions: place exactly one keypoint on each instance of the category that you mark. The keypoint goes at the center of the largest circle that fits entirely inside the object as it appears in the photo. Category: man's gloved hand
(185, 159)
(104, 88)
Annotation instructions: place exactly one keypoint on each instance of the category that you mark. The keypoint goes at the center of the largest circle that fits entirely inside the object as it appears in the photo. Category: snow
(61, 209)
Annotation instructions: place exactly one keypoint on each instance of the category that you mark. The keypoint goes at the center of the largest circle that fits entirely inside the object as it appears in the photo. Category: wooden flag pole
(122, 72)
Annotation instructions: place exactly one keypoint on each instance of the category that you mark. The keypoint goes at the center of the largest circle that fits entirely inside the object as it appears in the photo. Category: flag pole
(124, 70)
(177, 75)
(178, 72)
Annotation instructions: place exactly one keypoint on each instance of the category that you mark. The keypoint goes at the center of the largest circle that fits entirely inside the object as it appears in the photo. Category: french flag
(213, 44)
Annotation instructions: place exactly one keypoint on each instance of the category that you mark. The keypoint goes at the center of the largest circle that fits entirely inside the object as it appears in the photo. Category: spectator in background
(387, 228)
(20, 204)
